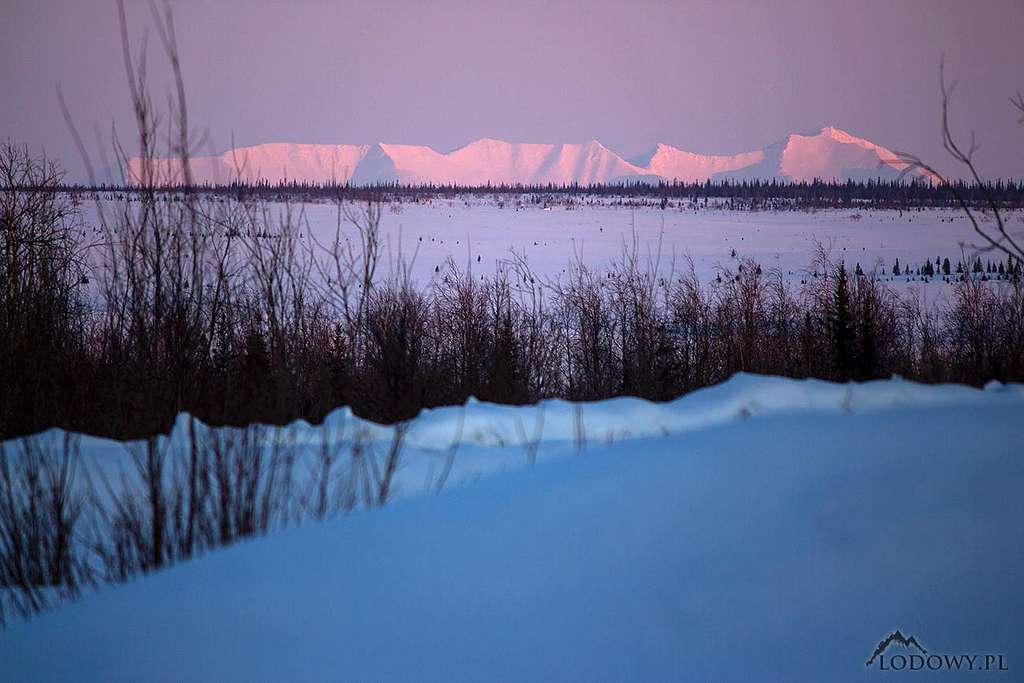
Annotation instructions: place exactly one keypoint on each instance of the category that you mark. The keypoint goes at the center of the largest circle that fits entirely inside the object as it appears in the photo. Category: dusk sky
(719, 77)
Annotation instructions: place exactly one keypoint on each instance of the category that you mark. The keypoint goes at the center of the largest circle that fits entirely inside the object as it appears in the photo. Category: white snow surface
(761, 529)
(481, 232)
(829, 154)
(595, 232)
(742, 397)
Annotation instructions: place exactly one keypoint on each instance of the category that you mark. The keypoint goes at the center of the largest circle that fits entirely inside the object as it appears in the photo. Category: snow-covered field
(469, 228)
(762, 529)
(481, 232)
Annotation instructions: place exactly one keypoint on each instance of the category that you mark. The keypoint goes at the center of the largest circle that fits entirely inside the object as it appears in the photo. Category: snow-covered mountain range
(830, 154)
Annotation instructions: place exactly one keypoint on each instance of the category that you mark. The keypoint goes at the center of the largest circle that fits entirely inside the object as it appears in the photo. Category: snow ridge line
(744, 396)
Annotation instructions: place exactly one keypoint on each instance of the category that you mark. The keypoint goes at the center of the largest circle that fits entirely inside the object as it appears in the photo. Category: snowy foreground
(763, 529)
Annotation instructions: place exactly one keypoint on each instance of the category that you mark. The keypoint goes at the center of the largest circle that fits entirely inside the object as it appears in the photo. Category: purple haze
(718, 77)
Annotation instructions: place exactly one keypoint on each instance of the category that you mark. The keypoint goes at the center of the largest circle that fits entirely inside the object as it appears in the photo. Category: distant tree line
(744, 194)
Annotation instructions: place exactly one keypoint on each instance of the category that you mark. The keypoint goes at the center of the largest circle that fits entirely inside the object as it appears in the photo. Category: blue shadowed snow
(781, 547)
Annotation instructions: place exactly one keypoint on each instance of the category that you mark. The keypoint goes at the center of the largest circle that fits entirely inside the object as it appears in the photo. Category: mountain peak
(487, 142)
(841, 136)
(834, 132)
(830, 154)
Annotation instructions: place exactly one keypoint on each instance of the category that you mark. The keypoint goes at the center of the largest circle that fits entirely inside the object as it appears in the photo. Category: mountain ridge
(829, 154)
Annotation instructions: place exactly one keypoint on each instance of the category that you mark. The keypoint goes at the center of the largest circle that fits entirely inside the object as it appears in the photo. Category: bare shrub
(43, 322)
(40, 510)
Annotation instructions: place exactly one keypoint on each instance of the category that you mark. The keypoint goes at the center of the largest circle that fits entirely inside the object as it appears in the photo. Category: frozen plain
(481, 232)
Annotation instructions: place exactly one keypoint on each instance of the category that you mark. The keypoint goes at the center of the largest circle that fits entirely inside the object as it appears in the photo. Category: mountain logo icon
(898, 638)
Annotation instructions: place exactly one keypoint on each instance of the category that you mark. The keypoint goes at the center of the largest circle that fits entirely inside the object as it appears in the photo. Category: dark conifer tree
(841, 326)
(867, 344)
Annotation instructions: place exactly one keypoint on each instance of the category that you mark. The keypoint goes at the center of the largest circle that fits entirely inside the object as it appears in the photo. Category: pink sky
(719, 77)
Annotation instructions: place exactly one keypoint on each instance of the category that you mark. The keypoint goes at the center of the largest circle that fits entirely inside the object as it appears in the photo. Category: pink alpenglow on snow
(830, 154)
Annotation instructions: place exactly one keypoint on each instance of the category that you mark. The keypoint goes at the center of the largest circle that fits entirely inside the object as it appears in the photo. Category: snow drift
(830, 154)
(740, 398)
(491, 436)
(764, 529)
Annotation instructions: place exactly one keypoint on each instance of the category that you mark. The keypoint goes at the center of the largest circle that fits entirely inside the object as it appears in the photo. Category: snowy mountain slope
(780, 542)
(273, 161)
(498, 162)
(671, 163)
(830, 154)
(835, 153)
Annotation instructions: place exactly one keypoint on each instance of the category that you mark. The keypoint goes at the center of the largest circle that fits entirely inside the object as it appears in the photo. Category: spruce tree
(841, 326)
(867, 345)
